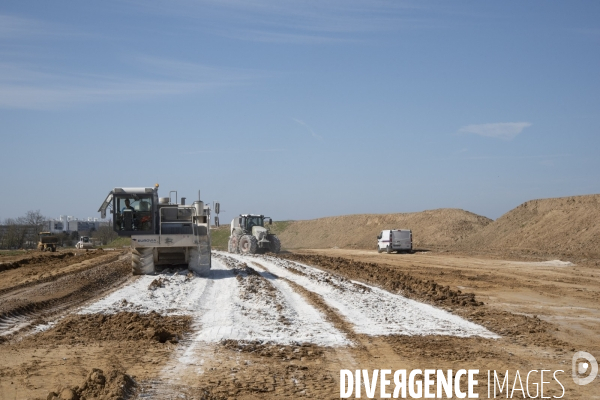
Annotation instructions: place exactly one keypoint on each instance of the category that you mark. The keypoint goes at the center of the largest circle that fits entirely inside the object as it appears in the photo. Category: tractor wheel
(248, 244)
(142, 261)
(275, 244)
(233, 244)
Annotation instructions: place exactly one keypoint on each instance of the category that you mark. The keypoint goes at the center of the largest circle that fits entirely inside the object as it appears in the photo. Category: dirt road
(266, 327)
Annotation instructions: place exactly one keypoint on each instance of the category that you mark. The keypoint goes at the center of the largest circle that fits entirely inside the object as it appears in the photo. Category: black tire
(142, 261)
(248, 244)
(388, 249)
(379, 250)
(274, 244)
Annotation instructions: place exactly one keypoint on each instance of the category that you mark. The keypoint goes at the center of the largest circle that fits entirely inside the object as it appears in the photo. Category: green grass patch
(279, 226)
(219, 237)
(119, 242)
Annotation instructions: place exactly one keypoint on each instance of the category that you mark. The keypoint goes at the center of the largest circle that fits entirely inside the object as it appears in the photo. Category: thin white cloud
(13, 27)
(235, 151)
(264, 36)
(22, 86)
(500, 130)
(531, 157)
(304, 124)
(296, 22)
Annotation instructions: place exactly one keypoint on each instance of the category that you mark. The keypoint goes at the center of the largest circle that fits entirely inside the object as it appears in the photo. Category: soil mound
(441, 227)
(86, 328)
(567, 226)
(98, 385)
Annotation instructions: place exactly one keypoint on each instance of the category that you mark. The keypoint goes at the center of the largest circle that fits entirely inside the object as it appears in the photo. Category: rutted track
(41, 299)
(256, 327)
(47, 269)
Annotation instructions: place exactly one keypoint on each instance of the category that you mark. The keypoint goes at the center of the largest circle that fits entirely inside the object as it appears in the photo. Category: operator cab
(248, 221)
(133, 210)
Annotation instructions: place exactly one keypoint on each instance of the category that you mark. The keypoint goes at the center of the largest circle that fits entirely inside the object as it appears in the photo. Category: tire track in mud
(371, 310)
(59, 275)
(317, 301)
(343, 356)
(37, 259)
(271, 311)
(364, 346)
(246, 316)
(523, 328)
(35, 304)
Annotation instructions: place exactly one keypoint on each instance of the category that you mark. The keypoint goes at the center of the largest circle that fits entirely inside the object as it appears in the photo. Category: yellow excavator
(47, 241)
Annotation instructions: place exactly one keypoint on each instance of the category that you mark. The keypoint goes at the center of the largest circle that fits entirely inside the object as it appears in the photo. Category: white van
(394, 240)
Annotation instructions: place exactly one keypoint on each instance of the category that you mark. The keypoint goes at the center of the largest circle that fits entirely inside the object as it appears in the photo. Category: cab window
(133, 213)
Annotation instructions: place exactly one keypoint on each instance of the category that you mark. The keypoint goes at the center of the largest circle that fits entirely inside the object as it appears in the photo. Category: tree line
(23, 232)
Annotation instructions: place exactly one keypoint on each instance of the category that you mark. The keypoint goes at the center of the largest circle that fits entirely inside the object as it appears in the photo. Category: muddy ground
(541, 313)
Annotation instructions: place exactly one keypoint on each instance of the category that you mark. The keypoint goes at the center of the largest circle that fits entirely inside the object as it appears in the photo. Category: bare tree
(15, 232)
(105, 234)
(22, 232)
(35, 220)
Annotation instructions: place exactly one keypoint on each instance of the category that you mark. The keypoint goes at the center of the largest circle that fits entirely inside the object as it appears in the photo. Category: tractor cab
(134, 210)
(248, 221)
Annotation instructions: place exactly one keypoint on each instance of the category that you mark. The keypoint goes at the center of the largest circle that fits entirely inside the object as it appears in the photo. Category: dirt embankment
(439, 227)
(567, 226)
(38, 258)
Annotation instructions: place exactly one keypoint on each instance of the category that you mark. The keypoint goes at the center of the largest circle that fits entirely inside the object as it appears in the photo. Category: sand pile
(567, 226)
(440, 227)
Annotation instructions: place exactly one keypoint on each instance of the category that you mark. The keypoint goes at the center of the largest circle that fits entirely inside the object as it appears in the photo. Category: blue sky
(299, 109)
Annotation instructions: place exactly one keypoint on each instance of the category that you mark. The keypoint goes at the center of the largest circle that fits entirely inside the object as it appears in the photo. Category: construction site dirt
(78, 325)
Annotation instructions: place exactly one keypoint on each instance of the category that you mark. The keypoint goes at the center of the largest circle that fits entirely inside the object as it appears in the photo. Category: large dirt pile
(440, 227)
(567, 226)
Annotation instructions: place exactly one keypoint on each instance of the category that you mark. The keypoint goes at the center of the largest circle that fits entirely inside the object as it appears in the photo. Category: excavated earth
(567, 227)
(78, 325)
(441, 227)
